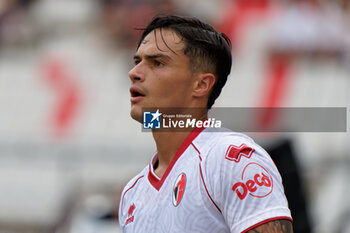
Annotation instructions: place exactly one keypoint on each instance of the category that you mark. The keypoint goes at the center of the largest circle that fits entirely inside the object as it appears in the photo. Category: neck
(167, 143)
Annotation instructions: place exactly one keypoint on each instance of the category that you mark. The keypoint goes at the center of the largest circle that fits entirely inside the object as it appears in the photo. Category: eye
(136, 61)
(157, 63)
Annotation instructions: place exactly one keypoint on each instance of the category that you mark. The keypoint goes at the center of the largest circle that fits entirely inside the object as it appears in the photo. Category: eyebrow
(153, 56)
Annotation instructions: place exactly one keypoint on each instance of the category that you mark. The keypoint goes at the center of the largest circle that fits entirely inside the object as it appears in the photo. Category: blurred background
(68, 145)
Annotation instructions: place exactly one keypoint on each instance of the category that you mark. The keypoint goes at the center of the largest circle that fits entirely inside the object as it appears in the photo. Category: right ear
(203, 85)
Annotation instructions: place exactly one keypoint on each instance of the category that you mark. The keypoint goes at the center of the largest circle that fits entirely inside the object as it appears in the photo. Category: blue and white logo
(151, 120)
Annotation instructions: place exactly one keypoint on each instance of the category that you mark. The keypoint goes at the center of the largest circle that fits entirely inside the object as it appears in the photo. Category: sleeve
(124, 203)
(244, 183)
(121, 215)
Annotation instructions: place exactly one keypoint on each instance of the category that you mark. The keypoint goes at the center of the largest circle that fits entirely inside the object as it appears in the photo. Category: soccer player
(198, 181)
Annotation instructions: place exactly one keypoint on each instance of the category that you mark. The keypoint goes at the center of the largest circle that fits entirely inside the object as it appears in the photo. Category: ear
(203, 84)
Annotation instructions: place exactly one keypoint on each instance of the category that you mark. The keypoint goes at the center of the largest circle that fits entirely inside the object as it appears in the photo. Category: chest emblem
(179, 189)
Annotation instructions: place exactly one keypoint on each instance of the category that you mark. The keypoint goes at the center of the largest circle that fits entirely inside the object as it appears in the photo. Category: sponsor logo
(179, 189)
(256, 181)
(234, 153)
(151, 120)
(130, 218)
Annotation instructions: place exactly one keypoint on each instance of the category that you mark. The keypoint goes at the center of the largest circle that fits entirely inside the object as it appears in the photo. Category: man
(197, 181)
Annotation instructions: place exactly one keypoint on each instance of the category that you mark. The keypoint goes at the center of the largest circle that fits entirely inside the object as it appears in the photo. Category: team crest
(179, 189)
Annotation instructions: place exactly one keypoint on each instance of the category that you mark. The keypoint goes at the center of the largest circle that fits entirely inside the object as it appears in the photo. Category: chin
(136, 113)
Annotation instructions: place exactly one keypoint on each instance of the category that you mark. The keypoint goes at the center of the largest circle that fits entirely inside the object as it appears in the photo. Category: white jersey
(217, 182)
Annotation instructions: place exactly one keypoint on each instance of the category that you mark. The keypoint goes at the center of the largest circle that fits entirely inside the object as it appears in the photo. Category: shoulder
(233, 156)
(229, 147)
(133, 185)
(243, 181)
(135, 180)
(242, 168)
(129, 191)
(216, 138)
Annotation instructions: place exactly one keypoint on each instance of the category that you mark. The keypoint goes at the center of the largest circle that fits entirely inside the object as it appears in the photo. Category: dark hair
(207, 49)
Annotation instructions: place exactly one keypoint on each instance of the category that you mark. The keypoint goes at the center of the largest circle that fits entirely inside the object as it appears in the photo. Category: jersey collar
(157, 182)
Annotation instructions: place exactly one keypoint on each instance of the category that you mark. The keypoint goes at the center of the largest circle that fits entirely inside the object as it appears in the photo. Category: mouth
(136, 94)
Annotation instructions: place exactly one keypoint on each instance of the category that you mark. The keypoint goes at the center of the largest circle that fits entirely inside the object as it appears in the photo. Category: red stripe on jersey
(129, 190)
(155, 182)
(266, 221)
(206, 190)
(199, 153)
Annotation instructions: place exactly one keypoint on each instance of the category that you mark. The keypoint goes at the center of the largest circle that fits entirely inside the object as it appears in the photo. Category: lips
(136, 94)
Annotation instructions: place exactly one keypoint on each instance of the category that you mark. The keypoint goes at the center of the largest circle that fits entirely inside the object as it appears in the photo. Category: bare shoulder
(276, 226)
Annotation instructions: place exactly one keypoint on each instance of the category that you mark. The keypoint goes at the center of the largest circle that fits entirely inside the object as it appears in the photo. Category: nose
(135, 74)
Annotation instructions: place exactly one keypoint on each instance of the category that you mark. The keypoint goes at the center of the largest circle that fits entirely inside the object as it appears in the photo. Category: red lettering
(244, 192)
(242, 188)
(266, 180)
(251, 186)
(260, 183)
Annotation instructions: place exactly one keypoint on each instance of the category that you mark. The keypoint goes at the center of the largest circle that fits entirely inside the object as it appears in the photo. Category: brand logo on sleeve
(130, 218)
(255, 181)
(234, 153)
(179, 189)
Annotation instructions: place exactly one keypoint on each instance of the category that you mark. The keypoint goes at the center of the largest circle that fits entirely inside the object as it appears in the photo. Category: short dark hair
(207, 49)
